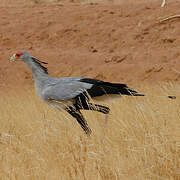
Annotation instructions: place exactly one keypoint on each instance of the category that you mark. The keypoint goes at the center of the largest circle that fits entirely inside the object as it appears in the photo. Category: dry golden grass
(141, 140)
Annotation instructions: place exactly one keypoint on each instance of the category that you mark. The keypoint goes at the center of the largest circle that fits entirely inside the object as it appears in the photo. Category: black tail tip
(172, 97)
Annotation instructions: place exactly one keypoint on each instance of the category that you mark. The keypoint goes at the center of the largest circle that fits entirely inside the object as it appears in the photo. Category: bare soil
(119, 41)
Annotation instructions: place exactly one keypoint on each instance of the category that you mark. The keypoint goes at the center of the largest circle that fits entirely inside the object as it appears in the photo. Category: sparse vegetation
(123, 41)
(141, 140)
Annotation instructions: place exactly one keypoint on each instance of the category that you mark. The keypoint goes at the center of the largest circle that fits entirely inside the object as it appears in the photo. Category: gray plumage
(70, 94)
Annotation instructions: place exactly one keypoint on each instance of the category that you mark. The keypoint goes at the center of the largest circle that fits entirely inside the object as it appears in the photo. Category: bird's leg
(96, 107)
(79, 117)
(99, 108)
(106, 119)
(82, 102)
(104, 129)
(103, 109)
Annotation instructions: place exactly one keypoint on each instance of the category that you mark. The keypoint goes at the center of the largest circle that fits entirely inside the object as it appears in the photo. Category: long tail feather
(100, 88)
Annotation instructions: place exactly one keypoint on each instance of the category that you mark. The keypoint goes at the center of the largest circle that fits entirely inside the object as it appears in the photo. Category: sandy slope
(118, 41)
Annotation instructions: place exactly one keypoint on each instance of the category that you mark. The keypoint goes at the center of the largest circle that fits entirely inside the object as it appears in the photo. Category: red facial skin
(18, 54)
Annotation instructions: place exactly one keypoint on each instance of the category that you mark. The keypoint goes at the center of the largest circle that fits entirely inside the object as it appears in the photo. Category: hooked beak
(13, 58)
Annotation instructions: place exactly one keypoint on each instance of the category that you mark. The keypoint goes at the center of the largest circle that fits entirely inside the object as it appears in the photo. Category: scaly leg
(79, 117)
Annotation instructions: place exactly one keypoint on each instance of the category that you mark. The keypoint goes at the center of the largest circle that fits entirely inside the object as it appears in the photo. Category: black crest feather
(39, 63)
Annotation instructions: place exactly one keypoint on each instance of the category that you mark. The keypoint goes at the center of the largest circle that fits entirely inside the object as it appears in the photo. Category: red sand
(115, 41)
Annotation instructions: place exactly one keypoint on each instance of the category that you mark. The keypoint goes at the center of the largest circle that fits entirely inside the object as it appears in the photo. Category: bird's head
(25, 57)
(19, 56)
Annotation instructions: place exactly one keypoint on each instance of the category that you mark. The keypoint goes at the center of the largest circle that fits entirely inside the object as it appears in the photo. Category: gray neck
(41, 78)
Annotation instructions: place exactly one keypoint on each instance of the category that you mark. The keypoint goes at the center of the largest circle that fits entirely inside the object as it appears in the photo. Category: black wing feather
(100, 88)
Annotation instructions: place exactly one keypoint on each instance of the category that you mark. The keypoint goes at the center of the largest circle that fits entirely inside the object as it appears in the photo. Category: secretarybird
(71, 94)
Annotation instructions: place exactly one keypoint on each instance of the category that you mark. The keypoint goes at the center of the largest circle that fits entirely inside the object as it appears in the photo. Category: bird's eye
(18, 54)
